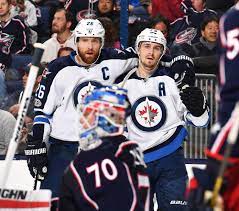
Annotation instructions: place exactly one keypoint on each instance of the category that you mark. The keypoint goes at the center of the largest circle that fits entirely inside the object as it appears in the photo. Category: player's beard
(88, 59)
(58, 29)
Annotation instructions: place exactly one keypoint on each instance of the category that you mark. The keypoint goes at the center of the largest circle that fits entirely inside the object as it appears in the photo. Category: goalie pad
(23, 200)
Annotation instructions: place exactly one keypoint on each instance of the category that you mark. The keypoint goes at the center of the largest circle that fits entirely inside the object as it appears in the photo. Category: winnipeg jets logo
(86, 90)
(83, 89)
(6, 41)
(45, 73)
(148, 113)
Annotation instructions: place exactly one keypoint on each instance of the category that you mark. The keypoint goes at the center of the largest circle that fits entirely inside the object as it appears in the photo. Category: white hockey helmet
(151, 35)
(89, 28)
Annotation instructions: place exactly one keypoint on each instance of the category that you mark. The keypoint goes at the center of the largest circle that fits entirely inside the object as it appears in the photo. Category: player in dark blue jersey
(229, 96)
(109, 172)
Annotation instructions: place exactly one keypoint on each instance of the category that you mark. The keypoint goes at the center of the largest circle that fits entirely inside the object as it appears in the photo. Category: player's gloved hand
(194, 100)
(36, 153)
(182, 71)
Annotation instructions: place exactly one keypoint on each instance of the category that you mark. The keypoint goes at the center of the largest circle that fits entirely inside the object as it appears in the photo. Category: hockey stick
(35, 181)
(121, 84)
(231, 140)
(39, 49)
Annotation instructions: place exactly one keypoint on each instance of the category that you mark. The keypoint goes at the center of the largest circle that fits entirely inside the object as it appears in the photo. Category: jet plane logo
(148, 113)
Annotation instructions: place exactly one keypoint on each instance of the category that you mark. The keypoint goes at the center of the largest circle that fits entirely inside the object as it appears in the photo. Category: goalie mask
(102, 113)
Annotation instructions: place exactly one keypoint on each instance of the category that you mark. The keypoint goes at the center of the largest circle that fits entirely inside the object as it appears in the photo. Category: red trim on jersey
(220, 157)
(81, 186)
(192, 186)
(134, 202)
(10, 203)
(221, 137)
(24, 36)
(122, 146)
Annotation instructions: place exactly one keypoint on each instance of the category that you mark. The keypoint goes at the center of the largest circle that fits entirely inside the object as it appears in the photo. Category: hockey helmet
(89, 28)
(151, 35)
(103, 113)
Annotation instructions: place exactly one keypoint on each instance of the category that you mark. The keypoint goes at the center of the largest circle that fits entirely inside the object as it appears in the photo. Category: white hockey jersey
(158, 115)
(66, 83)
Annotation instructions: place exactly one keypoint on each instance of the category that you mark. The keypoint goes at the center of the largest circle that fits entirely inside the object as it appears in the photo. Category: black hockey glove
(182, 71)
(36, 153)
(194, 100)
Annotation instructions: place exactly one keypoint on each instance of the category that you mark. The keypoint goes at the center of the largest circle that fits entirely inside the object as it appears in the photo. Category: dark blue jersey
(229, 63)
(228, 84)
(186, 29)
(109, 177)
(13, 37)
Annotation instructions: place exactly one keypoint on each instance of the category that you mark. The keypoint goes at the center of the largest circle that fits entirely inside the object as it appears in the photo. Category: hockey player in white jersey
(66, 82)
(158, 115)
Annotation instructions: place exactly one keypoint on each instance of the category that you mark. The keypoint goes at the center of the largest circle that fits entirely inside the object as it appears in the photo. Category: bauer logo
(13, 194)
(178, 202)
(148, 113)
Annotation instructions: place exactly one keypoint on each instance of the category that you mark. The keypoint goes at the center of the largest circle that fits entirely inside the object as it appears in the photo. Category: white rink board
(20, 177)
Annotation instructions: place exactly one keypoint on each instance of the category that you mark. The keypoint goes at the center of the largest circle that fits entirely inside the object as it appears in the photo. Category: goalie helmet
(151, 35)
(102, 113)
(89, 28)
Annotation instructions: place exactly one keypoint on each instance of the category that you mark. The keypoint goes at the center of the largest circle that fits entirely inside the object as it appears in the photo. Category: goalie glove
(194, 100)
(36, 153)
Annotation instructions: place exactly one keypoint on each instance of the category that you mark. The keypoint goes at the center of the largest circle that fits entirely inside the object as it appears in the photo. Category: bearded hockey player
(158, 115)
(109, 172)
(66, 82)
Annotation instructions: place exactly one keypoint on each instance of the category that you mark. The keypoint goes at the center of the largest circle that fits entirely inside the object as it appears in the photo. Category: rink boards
(20, 177)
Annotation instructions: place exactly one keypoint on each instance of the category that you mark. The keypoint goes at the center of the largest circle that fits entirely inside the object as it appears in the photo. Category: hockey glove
(194, 100)
(182, 71)
(36, 153)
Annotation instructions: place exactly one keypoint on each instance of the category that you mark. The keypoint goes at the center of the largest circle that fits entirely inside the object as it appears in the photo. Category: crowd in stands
(190, 27)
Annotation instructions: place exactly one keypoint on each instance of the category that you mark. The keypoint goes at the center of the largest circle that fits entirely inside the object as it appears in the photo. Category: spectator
(141, 12)
(7, 125)
(105, 8)
(161, 23)
(75, 7)
(62, 37)
(65, 51)
(186, 30)
(111, 33)
(5, 61)
(13, 31)
(204, 52)
(30, 113)
(27, 11)
(167, 8)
